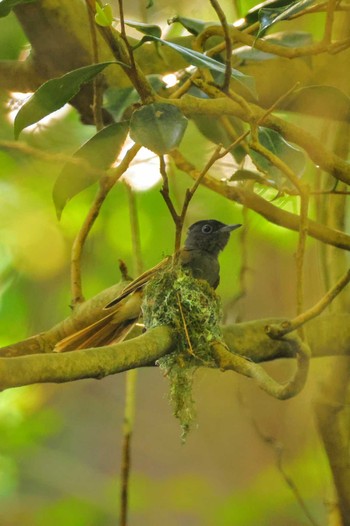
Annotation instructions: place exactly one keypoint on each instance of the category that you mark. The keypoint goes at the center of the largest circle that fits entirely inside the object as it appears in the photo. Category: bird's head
(209, 235)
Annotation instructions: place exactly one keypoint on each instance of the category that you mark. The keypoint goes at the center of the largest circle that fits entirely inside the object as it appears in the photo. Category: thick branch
(248, 340)
(322, 157)
(19, 76)
(87, 363)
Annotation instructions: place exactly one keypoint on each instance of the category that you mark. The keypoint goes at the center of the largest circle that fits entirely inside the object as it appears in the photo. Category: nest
(190, 307)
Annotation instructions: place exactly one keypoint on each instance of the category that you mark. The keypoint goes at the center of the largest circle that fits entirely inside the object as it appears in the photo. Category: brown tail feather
(111, 328)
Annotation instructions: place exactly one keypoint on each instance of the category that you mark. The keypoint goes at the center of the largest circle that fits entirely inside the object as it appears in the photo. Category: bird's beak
(229, 228)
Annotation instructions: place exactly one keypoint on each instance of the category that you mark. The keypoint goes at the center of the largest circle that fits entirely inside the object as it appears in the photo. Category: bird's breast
(202, 265)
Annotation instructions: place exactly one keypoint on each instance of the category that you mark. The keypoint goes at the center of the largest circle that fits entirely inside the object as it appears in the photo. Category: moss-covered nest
(191, 307)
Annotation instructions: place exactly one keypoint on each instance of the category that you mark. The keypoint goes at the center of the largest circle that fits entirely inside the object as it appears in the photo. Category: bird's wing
(112, 328)
(139, 282)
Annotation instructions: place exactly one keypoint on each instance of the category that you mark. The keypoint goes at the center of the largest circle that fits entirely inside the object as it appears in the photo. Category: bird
(199, 255)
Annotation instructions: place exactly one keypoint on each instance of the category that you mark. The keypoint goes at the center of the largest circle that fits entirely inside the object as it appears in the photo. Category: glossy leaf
(146, 29)
(159, 127)
(193, 25)
(202, 61)
(289, 154)
(270, 16)
(99, 152)
(252, 16)
(104, 15)
(54, 94)
(7, 5)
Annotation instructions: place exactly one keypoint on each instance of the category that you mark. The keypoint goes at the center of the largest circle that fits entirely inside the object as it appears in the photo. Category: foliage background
(60, 446)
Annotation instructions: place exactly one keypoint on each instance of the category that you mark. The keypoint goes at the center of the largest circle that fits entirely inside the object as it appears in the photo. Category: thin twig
(228, 44)
(184, 325)
(278, 450)
(131, 376)
(78, 244)
(300, 253)
(278, 331)
(96, 83)
(328, 28)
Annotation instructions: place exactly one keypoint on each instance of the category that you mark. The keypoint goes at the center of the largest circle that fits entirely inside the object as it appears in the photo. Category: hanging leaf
(7, 5)
(269, 16)
(99, 153)
(146, 29)
(248, 175)
(289, 154)
(193, 25)
(54, 94)
(320, 101)
(203, 61)
(252, 16)
(104, 15)
(118, 100)
(159, 127)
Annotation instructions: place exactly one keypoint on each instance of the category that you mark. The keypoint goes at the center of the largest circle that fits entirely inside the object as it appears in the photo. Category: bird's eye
(207, 229)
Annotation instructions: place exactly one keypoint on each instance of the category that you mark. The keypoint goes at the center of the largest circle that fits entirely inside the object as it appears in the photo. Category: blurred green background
(60, 445)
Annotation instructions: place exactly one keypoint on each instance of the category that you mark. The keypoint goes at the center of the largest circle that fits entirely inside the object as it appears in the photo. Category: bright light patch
(240, 22)
(17, 99)
(143, 172)
(170, 80)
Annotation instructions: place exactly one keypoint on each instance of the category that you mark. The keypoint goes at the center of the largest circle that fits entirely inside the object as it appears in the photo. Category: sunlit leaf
(252, 16)
(270, 16)
(7, 5)
(99, 153)
(54, 94)
(193, 25)
(288, 153)
(321, 101)
(146, 29)
(159, 127)
(104, 15)
(202, 61)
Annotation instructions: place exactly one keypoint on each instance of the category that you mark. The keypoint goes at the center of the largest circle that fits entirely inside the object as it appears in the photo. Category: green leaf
(320, 101)
(288, 153)
(193, 25)
(104, 15)
(146, 29)
(248, 175)
(54, 94)
(117, 100)
(99, 152)
(202, 61)
(7, 5)
(268, 16)
(159, 127)
(252, 16)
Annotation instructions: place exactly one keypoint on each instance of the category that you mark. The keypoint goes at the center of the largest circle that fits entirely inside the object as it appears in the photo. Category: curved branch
(327, 160)
(228, 361)
(272, 213)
